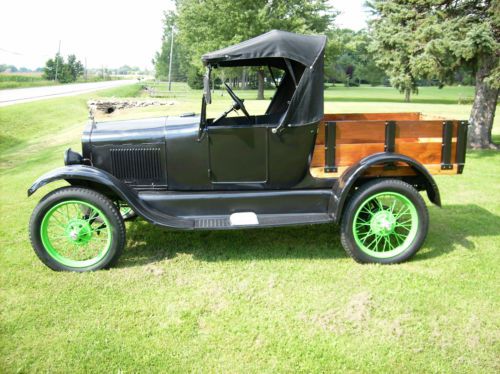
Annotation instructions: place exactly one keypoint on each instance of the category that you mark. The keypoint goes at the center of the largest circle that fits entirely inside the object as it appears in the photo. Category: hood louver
(140, 166)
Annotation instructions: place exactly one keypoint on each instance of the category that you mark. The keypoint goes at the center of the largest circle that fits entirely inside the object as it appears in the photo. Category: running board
(263, 220)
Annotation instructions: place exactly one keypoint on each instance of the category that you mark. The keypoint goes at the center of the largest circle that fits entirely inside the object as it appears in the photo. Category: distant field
(283, 300)
(339, 99)
(364, 93)
(8, 81)
(25, 80)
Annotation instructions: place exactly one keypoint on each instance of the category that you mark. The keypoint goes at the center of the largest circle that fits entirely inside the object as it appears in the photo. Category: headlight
(72, 158)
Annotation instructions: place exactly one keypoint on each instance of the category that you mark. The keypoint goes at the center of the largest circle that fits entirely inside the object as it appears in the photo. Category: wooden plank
(355, 132)
(318, 157)
(348, 154)
(360, 132)
(378, 171)
(422, 129)
(349, 132)
(403, 116)
(425, 153)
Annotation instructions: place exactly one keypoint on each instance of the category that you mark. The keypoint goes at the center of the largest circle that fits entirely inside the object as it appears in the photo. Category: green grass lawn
(271, 300)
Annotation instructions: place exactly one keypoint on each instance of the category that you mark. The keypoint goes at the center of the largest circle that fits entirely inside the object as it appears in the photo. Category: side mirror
(207, 94)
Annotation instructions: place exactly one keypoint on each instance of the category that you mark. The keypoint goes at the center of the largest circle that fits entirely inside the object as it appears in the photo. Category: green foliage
(209, 25)
(213, 24)
(66, 71)
(348, 59)
(194, 78)
(433, 39)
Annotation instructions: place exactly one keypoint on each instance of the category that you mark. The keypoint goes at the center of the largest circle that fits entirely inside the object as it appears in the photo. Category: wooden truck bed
(345, 139)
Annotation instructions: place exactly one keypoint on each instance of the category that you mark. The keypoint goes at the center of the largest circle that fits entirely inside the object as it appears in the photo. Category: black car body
(193, 172)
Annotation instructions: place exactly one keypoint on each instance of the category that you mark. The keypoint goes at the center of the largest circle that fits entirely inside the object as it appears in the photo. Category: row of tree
(14, 69)
(63, 71)
(407, 44)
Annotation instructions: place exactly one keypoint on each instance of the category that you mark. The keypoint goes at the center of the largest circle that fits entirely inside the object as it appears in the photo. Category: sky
(107, 33)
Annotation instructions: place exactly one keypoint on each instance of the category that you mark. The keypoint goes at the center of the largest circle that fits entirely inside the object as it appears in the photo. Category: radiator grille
(138, 164)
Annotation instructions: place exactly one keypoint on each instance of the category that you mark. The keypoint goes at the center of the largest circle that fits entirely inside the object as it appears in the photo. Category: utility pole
(57, 57)
(170, 63)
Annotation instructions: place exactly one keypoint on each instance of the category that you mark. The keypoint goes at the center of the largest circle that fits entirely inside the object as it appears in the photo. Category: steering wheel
(238, 103)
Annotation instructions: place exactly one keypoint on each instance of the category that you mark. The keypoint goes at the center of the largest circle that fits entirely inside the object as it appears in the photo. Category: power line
(11, 52)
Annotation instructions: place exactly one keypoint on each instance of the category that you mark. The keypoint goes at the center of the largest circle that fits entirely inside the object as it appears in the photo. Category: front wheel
(386, 221)
(77, 229)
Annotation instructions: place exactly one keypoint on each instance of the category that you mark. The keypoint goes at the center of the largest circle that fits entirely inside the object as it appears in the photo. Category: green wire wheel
(385, 221)
(77, 229)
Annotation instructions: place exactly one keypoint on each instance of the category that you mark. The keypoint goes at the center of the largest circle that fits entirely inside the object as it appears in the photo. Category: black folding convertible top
(300, 94)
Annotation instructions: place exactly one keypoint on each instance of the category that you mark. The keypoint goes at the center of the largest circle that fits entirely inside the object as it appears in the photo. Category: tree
(66, 72)
(49, 71)
(75, 68)
(348, 56)
(435, 39)
(212, 24)
(393, 43)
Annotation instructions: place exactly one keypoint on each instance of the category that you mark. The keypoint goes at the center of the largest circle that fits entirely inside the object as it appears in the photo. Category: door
(238, 153)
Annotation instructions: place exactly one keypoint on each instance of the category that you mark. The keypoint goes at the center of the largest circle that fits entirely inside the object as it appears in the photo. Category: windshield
(256, 86)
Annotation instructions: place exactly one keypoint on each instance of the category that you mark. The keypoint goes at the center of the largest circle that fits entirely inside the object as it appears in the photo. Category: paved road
(22, 95)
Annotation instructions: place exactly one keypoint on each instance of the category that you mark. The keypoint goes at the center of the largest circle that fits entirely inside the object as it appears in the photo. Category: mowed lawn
(271, 300)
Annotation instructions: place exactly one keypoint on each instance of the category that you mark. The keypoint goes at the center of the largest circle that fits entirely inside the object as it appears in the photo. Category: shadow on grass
(451, 226)
(147, 244)
(457, 225)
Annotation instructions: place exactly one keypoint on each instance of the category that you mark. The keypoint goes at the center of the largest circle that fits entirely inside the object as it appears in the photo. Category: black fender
(347, 180)
(82, 175)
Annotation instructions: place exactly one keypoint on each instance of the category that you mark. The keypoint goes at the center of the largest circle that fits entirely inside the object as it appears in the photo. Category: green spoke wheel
(77, 229)
(76, 233)
(386, 231)
(385, 221)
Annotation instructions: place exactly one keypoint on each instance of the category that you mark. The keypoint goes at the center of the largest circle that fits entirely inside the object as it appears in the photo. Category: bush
(194, 79)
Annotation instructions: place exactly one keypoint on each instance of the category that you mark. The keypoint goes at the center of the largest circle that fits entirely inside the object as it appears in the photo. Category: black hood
(138, 130)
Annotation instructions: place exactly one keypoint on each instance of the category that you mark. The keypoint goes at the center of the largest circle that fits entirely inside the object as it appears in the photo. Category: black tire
(115, 240)
(361, 197)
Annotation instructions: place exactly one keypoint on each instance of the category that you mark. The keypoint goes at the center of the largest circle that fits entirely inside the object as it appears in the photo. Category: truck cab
(292, 165)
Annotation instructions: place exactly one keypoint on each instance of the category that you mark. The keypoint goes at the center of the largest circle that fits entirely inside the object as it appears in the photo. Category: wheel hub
(383, 223)
(78, 231)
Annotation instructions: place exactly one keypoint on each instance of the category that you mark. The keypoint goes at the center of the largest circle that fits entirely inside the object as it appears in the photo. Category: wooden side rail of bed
(344, 139)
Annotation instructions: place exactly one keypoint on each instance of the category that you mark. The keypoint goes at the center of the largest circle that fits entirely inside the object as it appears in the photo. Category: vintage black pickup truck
(293, 165)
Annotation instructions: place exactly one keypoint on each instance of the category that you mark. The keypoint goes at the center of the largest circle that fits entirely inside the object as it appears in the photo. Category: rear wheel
(386, 221)
(77, 229)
